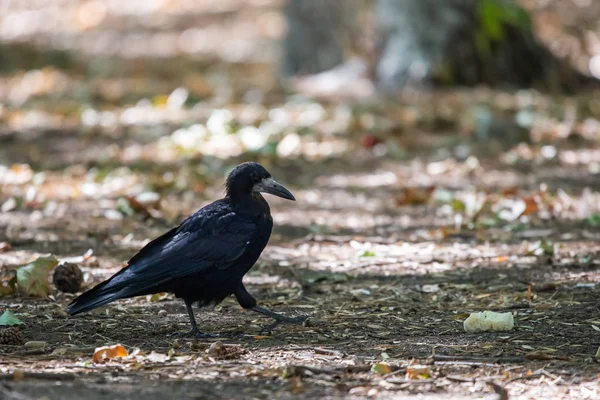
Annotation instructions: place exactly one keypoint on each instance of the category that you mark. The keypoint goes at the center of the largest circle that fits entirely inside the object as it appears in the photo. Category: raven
(204, 259)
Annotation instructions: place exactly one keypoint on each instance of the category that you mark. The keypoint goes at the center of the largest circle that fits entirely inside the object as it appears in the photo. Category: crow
(204, 259)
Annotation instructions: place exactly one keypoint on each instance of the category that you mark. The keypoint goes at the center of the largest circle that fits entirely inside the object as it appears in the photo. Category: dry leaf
(32, 278)
(414, 196)
(158, 297)
(18, 375)
(418, 372)
(381, 369)
(296, 385)
(157, 357)
(107, 352)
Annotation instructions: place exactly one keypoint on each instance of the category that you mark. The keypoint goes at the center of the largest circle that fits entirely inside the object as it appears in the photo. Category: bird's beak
(270, 186)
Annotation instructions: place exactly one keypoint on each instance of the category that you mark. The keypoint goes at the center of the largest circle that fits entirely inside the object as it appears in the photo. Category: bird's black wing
(214, 237)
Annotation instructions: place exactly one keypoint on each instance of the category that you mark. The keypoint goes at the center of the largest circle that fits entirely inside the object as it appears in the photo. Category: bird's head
(251, 177)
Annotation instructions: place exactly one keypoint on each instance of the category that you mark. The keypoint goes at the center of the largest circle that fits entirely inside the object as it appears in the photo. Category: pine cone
(67, 278)
(11, 336)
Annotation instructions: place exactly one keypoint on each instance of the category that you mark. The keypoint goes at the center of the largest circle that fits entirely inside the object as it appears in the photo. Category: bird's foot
(195, 333)
(280, 319)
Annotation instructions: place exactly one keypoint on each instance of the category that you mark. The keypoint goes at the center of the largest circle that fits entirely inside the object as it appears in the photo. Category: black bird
(204, 259)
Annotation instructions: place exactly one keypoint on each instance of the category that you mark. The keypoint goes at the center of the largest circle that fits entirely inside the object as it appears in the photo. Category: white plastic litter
(487, 321)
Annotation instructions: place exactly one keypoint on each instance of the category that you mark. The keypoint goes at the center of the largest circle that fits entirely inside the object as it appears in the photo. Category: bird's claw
(283, 320)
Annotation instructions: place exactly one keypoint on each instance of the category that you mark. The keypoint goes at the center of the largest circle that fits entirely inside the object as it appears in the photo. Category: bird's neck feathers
(251, 204)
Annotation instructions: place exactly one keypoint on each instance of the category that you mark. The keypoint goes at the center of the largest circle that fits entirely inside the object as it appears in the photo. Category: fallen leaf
(381, 369)
(9, 319)
(157, 297)
(531, 205)
(18, 375)
(296, 385)
(415, 196)
(418, 372)
(433, 288)
(157, 357)
(107, 352)
(541, 248)
(9, 205)
(32, 279)
(6, 290)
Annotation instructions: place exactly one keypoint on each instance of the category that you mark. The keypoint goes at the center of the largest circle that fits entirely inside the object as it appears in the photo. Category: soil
(403, 304)
(386, 250)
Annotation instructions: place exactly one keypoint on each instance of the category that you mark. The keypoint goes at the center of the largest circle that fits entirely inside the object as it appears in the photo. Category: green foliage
(493, 17)
(594, 220)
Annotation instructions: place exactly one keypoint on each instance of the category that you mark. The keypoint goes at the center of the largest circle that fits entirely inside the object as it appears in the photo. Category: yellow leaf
(381, 369)
(157, 297)
(418, 372)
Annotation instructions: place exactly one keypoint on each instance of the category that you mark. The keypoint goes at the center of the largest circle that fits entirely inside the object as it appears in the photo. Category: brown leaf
(101, 354)
(531, 205)
(418, 372)
(415, 196)
(296, 385)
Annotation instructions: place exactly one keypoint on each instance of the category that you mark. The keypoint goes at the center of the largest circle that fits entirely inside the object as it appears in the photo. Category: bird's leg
(195, 332)
(248, 302)
(279, 319)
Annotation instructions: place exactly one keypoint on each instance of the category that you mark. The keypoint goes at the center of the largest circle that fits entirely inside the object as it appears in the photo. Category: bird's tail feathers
(118, 287)
(94, 298)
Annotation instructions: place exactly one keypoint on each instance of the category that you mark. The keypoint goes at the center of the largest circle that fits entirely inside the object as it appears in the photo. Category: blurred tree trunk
(430, 42)
(317, 35)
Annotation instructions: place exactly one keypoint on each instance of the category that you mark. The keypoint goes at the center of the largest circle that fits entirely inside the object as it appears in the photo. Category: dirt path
(394, 288)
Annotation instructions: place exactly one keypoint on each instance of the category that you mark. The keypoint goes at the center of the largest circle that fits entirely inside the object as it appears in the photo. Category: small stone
(68, 278)
(163, 313)
(11, 336)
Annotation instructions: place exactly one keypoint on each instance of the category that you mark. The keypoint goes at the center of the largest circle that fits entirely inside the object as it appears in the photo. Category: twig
(409, 381)
(468, 363)
(329, 352)
(525, 377)
(300, 370)
(489, 360)
(455, 378)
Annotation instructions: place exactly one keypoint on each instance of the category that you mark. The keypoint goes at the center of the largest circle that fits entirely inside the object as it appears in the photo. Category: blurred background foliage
(105, 97)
